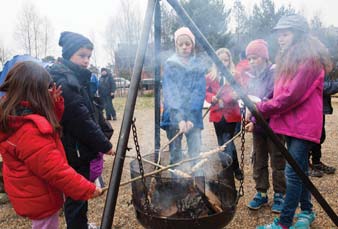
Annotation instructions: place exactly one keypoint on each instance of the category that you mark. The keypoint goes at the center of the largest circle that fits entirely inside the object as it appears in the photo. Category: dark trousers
(263, 147)
(76, 210)
(224, 132)
(108, 106)
(316, 149)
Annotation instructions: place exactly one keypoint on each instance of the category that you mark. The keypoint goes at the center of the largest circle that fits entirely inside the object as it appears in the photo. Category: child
(82, 137)
(36, 172)
(224, 111)
(296, 109)
(183, 93)
(260, 84)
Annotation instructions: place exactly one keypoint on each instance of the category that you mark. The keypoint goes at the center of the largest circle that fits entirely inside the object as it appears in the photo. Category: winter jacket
(82, 137)
(330, 88)
(107, 85)
(296, 108)
(230, 110)
(35, 169)
(183, 92)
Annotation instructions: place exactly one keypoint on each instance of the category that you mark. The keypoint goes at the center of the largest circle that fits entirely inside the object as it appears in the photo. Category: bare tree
(33, 31)
(5, 54)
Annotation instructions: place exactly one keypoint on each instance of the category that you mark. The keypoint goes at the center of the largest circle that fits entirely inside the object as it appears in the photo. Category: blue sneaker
(305, 218)
(278, 203)
(258, 201)
(274, 225)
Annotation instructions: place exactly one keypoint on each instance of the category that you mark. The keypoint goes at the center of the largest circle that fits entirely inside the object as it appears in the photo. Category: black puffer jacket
(82, 137)
(330, 88)
(107, 85)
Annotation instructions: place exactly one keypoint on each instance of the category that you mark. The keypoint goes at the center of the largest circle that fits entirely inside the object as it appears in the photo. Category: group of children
(288, 94)
(48, 132)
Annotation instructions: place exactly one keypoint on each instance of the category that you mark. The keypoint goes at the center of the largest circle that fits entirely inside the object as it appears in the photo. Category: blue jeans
(296, 192)
(193, 140)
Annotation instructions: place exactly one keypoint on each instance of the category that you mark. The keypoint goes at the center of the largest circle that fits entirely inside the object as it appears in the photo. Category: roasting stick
(203, 155)
(165, 145)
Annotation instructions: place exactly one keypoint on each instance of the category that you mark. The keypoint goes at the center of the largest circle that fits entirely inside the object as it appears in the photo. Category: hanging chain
(241, 181)
(139, 158)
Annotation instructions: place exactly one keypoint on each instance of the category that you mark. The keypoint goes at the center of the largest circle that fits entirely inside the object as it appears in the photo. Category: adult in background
(82, 137)
(107, 89)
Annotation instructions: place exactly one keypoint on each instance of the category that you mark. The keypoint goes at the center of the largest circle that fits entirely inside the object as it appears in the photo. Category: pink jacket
(296, 109)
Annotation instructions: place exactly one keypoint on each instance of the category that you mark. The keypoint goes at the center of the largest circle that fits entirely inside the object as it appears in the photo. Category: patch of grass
(141, 103)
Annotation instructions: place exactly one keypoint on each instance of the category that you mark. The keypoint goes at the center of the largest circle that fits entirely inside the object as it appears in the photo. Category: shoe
(274, 225)
(305, 218)
(114, 118)
(108, 118)
(239, 174)
(324, 168)
(315, 173)
(258, 201)
(92, 226)
(278, 203)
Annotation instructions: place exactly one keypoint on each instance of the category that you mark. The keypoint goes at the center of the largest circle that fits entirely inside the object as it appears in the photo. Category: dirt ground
(244, 218)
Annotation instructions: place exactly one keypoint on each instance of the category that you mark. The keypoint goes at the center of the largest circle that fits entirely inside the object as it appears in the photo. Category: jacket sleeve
(113, 85)
(295, 91)
(171, 95)
(42, 157)
(78, 121)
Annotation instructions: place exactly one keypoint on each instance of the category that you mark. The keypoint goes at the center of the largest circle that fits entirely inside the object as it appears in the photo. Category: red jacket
(35, 169)
(230, 110)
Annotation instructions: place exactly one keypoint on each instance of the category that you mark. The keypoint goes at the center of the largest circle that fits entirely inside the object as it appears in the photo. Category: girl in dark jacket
(183, 93)
(36, 172)
(82, 137)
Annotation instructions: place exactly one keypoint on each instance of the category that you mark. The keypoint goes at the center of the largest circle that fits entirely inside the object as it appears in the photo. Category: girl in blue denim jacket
(183, 93)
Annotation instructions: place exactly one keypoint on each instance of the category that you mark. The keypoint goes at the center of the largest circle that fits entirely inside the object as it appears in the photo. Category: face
(103, 73)
(285, 39)
(184, 46)
(256, 62)
(82, 57)
(225, 59)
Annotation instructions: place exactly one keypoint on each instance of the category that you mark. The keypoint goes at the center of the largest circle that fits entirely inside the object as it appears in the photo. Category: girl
(82, 137)
(183, 93)
(260, 84)
(296, 109)
(224, 112)
(36, 172)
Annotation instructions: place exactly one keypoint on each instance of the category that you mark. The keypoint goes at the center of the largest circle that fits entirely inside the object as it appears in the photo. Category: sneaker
(274, 225)
(324, 168)
(305, 218)
(278, 203)
(92, 226)
(239, 174)
(315, 173)
(258, 201)
(114, 118)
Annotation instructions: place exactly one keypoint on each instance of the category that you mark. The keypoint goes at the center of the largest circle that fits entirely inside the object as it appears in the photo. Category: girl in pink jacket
(295, 110)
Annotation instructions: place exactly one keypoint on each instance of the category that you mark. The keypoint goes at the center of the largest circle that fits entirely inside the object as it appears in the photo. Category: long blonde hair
(304, 48)
(214, 74)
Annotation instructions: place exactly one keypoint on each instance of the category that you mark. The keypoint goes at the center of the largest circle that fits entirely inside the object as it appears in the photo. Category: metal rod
(115, 178)
(157, 89)
(211, 52)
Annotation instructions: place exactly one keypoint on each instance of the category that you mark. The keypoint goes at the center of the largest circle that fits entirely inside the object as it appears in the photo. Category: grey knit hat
(295, 21)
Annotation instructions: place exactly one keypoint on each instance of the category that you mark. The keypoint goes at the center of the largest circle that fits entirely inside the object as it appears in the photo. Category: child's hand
(249, 127)
(189, 125)
(111, 152)
(182, 126)
(56, 92)
(97, 192)
(214, 100)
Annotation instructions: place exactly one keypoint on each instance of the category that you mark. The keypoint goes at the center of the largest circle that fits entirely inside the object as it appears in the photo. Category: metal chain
(139, 158)
(241, 181)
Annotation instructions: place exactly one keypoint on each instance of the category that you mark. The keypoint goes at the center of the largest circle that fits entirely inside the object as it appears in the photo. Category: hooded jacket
(296, 109)
(35, 169)
(82, 137)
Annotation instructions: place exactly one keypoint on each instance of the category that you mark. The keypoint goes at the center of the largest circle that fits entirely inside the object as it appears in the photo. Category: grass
(142, 102)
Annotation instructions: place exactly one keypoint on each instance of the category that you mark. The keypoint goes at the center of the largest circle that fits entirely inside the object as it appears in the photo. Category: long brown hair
(304, 48)
(27, 81)
(214, 71)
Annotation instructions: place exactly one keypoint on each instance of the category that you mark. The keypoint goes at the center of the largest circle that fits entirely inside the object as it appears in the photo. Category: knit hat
(184, 31)
(71, 42)
(259, 48)
(294, 21)
(104, 69)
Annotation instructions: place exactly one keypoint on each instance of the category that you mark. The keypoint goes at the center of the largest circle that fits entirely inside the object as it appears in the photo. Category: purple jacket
(296, 109)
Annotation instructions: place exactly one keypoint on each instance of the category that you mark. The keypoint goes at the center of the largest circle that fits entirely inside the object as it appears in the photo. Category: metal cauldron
(170, 190)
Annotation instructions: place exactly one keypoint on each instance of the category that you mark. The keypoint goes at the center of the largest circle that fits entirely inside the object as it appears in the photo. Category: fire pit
(173, 202)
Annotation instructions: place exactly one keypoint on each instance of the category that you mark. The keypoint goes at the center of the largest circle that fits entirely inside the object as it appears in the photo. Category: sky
(90, 17)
